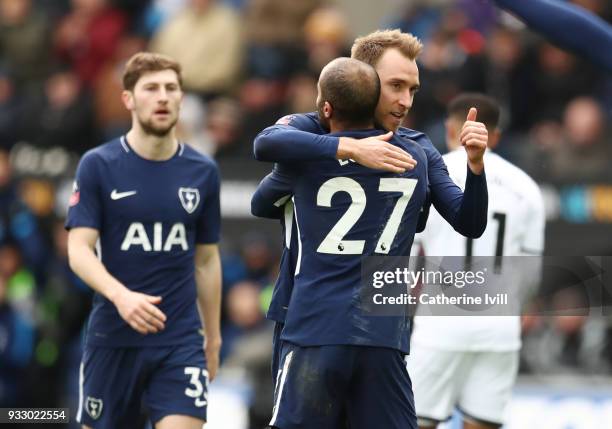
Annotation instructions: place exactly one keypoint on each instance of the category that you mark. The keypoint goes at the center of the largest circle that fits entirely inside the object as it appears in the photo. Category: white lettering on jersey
(176, 236)
(136, 235)
(344, 162)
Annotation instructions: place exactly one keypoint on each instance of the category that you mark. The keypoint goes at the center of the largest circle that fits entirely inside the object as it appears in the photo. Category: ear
(328, 110)
(128, 99)
(494, 138)
(451, 129)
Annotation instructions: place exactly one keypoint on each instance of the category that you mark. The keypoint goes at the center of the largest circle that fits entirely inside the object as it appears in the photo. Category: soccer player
(561, 22)
(471, 361)
(152, 204)
(301, 138)
(338, 361)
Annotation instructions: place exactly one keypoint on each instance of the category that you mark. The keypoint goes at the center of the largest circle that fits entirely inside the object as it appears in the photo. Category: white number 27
(334, 242)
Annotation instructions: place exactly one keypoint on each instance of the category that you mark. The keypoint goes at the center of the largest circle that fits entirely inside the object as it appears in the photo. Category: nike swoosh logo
(118, 195)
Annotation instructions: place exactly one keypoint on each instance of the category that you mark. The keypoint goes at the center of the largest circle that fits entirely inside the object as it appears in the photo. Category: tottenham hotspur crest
(190, 198)
(93, 406)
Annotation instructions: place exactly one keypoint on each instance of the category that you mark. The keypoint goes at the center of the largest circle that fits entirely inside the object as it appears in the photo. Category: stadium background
(247, 63)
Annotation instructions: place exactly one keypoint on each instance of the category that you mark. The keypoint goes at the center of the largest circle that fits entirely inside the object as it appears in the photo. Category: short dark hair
(488, 108)
(371, 47)
(352, 88)
(146, 62)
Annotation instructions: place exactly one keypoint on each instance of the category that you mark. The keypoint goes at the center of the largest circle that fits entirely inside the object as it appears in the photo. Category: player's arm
(208, 268)
(208, 282)
(561, 22)
(296, 140)
(467, 211)
(137, 309)
(272, 193)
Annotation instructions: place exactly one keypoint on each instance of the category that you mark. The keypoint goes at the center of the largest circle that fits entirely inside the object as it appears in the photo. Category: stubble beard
(150, 129)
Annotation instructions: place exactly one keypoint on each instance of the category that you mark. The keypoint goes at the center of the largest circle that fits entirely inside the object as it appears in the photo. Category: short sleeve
(209, 223)
(85, 205)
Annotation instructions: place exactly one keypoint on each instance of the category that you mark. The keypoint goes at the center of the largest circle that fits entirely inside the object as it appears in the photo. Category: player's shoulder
(418, 136)
(107, 152)
(188, 153)
(196, 158)
(302, 121)
(520, 179)
(409, 144)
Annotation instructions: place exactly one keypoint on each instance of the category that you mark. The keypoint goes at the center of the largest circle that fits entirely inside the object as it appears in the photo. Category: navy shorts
(276, 349)
(326, 387)
(118, 385)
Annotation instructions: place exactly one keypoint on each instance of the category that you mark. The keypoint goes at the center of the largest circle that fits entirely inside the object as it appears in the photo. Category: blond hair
(146, 62)
(370, 48)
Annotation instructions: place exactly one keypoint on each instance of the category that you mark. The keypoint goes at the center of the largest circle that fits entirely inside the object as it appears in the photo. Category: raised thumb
(471, 116)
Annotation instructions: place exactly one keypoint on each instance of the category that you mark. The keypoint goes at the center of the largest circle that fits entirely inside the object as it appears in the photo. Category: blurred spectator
(259, 258)
(576, 150)
(16, 348)
(558, 77)
(88, 36)
(302, 93)
(213, 129)
(24, 40)
(326, 34)
(159, 12)
(586, 143)
(418, 17)
(441, 64)
(250, 349)
(11, 111)
(274, 31)
(194, 37)
(501, 71)
(62, 115)
(243, 306)
(190, 125)
(17, 224)
(262, 100)
(223, 128)
(112, 118)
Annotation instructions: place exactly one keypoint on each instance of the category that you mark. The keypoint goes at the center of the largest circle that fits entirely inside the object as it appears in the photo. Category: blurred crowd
(245, 64)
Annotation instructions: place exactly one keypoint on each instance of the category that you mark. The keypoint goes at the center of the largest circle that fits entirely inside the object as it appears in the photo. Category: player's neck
(151, 147)
(338, 126)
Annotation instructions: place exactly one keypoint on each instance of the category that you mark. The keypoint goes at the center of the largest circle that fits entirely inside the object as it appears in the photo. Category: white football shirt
(515, 227)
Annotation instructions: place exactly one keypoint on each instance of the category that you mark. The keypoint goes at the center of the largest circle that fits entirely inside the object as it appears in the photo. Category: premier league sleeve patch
(285, 120)
(75, 196)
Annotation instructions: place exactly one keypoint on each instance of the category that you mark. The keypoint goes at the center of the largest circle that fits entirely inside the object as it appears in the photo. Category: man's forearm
(208, 282)
(471, 220)
(271, 194)
(282, 144)
(90, 269)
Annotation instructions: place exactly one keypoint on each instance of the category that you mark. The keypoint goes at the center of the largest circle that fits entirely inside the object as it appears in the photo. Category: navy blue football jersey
(344, 212)
(150, 215)
(284, 283)
(299, 138)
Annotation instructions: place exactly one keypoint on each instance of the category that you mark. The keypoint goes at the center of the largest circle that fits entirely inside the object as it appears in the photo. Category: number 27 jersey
(345, 212)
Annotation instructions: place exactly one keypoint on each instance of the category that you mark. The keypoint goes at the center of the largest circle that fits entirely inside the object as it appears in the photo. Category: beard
(156, 130)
